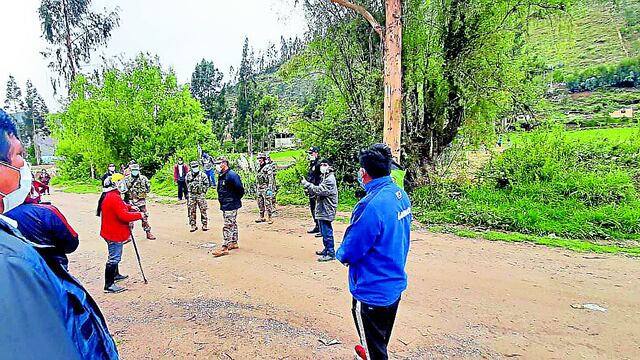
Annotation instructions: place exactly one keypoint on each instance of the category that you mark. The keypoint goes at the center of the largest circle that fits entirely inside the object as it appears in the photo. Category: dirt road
(272, 300)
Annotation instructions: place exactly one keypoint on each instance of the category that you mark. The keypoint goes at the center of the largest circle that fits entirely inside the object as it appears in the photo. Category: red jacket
(184, 172)
(116, 216)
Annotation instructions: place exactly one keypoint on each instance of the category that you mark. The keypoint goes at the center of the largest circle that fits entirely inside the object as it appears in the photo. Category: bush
(545, 184)
(624, 74)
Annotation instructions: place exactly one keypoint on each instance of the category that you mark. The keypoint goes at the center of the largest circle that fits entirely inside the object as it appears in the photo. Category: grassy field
(586, 35)
(589, 135)
(286, 156)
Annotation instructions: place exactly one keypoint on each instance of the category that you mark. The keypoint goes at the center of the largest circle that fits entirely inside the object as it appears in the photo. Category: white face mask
(219, 168)
(112, 169)
(17, 197)
(195, 170)
(324, 169)
(122, 186)
(311, 157)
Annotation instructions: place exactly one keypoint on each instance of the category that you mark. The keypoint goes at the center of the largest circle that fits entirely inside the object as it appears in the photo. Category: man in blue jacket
(230, 193)
(46, 313)
(375, 247)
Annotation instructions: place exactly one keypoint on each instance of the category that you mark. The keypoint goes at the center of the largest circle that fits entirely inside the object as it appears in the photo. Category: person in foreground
(46, 313)
(375, 248)
(115, 230)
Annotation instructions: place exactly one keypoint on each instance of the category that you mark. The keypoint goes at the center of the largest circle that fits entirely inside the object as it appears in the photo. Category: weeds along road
(271, 300)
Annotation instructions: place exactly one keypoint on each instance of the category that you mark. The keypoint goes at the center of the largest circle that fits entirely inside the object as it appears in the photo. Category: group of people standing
(46, 312)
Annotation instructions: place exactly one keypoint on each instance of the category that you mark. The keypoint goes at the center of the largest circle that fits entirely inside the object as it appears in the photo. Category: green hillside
(592, 32)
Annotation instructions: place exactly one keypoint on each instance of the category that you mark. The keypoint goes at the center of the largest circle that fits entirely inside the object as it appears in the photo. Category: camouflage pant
(197, 201)
(230, 228)
(265, 203)
(142, 205)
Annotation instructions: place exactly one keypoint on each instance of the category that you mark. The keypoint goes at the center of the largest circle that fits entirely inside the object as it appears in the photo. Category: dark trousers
(374, 324)
(182, 189)
(326, 230)
(312, 206)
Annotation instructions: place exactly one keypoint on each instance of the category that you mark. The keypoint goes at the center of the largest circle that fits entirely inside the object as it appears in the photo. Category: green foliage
(546, 183)
(208, 89)
(139, 113)
(624, 74)
(571, 244)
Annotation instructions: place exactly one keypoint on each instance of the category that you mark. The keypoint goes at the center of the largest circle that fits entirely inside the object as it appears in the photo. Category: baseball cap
(313, 149)
(221, 159)
(135, 166)
(194, 164)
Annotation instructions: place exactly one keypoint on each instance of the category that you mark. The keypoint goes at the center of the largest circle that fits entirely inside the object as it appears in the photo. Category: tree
(246, 98)
(391, 34)
(73, 32)
(13, 102)
(207, 87)
(34, 124)
(139, 112)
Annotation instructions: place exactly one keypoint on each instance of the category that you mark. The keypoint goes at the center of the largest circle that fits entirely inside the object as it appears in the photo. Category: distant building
(622, 113)
(284, 140)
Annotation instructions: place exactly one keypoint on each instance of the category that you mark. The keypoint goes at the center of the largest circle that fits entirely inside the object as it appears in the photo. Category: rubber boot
(109, 280)
(119, 277)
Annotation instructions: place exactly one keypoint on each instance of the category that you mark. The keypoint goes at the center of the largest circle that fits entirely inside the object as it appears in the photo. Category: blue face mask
(135, 172)
(360, 181)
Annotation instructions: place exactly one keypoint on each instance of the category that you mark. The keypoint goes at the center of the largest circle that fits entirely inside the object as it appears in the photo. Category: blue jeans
(326, 229)
(115, 252)
(212, 177)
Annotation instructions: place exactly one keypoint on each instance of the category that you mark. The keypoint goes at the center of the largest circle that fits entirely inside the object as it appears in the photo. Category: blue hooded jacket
(376, 244)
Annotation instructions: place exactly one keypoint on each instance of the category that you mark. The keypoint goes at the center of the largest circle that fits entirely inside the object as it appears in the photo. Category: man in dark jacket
(111, 169)
(45, 225)
(230, 193)
(375, 247)
(45, 312)
(314, 177)
(180, 178)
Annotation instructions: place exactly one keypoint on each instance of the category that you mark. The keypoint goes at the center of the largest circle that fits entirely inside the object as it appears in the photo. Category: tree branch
(362, 11)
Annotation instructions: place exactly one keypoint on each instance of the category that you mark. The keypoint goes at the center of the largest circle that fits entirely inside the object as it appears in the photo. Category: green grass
(570, 244)
(82, 189)
(610, 134)
(586, 35)
(286, 156)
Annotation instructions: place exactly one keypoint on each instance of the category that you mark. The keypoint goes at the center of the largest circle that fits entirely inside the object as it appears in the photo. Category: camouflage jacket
(265, 178)
(197, 184)
(139, 187)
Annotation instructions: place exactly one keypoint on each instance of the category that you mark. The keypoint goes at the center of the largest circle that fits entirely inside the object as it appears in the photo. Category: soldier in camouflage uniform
(139, 187)
(265, 185)
(197, 185)
(274, 204)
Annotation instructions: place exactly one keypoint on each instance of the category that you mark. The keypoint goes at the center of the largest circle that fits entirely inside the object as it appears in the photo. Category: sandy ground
(271, 299)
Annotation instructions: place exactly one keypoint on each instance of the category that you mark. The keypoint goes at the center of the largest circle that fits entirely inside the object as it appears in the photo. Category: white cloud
(180, 32)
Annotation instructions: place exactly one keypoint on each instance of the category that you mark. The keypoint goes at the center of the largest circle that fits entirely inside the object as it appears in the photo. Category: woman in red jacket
(116, 216)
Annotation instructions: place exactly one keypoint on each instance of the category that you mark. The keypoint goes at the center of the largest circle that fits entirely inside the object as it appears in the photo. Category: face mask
(11, 175)
(112, 169)
(122, 186)
(135, 172)
(195, 170)
(324, 169)
(180, 162)
(360, 180)
(219, 168)
(311, 157)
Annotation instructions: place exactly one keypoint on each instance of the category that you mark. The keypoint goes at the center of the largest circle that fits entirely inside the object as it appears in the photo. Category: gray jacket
(327, 197)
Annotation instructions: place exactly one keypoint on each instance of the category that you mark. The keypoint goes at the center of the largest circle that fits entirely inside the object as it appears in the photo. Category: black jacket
(314, 176)
(230, 191)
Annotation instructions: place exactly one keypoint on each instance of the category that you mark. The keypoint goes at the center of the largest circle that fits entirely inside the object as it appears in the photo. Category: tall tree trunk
(69, 43)
(393, 77)
(392, 37)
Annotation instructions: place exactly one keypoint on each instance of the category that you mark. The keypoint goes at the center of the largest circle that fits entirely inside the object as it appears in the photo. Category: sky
(181, 33)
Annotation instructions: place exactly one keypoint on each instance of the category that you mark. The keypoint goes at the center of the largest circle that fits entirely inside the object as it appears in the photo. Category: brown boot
(269, 220)
(150, 236)
(222, 252)
(233, 246)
